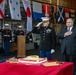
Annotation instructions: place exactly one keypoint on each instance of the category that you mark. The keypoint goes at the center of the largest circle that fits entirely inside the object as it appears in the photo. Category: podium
(21, 46)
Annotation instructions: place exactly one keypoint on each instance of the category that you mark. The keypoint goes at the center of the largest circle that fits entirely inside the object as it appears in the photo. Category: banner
(60, 14)
(37, 10)
(66, 10)
(27, 7)
(53, 11)
(46, 10)
(1, 9)
(14, 6)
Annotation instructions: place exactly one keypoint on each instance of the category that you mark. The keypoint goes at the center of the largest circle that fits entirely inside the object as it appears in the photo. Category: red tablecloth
(22, 69)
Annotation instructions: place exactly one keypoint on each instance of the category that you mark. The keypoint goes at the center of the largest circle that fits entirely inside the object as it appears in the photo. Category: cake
(33, 59)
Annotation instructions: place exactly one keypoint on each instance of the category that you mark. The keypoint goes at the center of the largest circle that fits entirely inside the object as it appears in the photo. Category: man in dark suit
(47, 38)
(68, 43)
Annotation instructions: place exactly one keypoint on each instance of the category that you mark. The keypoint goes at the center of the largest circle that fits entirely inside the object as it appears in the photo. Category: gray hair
(71, 20)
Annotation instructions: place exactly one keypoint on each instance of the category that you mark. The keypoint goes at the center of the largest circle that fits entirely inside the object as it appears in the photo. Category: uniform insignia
(48, 30)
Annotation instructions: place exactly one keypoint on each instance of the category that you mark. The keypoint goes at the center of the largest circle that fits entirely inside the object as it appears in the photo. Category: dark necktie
(68, 29)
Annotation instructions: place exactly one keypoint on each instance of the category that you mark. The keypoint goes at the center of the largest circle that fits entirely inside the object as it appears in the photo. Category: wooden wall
(72, 4)
(63, 3)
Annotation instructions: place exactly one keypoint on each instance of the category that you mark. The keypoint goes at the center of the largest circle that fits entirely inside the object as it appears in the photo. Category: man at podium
(20, 42)
(18, 32)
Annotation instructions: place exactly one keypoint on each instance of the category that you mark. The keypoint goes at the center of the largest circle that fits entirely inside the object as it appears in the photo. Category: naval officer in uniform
(47, 38)
(18, 32)
(7, 37)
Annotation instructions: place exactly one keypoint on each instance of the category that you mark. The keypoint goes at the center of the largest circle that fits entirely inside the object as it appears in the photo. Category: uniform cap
(19, 26)
(6, 24)
(44, 19)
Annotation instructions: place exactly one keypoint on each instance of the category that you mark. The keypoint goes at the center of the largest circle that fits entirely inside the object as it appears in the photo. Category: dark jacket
(20, 32)
(17, 33)
(47, 37)
(68, 42)
(6, 35)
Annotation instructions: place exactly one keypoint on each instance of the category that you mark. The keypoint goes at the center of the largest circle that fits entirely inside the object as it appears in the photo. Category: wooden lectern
(21, 46)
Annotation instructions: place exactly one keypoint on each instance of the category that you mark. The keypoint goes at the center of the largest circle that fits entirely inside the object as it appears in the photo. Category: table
(22, 69)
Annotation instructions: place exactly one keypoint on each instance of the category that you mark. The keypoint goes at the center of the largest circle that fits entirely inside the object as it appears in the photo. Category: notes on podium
(21, 46)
